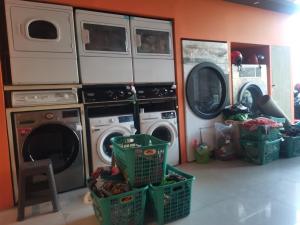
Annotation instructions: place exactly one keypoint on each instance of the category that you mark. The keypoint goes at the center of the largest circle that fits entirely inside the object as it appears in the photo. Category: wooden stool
(38, 193)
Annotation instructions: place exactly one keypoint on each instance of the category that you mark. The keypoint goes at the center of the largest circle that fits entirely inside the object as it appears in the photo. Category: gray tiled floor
(225, 193)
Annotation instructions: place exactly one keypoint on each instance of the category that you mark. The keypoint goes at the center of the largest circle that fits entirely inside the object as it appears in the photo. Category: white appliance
(249, 83)
(41, 42)
(104, 47)
(206, 93)
(102, 129)
(152, 47)
(47, 97)
(162, 125)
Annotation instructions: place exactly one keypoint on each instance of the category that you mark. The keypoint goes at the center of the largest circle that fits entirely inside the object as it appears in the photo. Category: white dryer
(104, 48)
(102, 129)
(162, 125)
(206, 76)
(249, 83)
(152, 47)
(41, 41)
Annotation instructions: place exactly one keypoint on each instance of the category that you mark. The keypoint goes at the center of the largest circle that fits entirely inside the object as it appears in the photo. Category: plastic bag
(224, 142)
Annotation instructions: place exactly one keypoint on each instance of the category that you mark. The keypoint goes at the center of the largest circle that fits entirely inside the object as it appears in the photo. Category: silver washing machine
(206, 76)
(249, 83)
(54, 134)
(102, 129)
(162, 125)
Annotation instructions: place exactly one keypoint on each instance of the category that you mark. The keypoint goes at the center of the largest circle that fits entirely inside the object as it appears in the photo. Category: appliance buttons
(49, 116)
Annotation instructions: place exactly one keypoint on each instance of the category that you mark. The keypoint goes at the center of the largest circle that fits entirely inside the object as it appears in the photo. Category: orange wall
(196, 19)
(6, 197)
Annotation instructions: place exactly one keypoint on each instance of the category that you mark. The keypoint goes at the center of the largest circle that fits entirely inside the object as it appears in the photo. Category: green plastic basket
(123, 209)
(290, 147)
(260, 152)
(141, 158)
(260, 134)
(171, 201)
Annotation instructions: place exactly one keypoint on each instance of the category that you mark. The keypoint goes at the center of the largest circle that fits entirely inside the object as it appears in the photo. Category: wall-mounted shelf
(249, 51)
(40, 87)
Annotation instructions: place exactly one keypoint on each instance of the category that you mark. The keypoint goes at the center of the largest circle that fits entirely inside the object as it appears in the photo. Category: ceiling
(282, 6)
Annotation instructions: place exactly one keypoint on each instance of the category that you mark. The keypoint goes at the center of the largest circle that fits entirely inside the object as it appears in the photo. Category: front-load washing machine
(102, 129)
(41, 42)
(162, 125)
(54, 134)
(249, 83)
(206, 75)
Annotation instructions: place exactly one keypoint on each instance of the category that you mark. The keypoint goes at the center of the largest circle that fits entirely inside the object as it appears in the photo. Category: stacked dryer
(41, 42)
(118, 49)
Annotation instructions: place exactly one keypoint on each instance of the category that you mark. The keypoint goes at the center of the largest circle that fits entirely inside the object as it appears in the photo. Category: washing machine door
(165, 131)
(206, 90)
(249, 94)
(104, 145)
(57, 142)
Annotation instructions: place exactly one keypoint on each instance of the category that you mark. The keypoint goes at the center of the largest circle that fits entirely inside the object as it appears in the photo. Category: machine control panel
(157, 91)
(107, 94)
(168, 115)
(47, 97)
(125, 119)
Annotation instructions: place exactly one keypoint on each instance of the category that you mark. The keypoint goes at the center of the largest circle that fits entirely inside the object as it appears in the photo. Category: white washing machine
(206, 76)
(249, 83)
(102, 129)
(162, 125)
(41, 41)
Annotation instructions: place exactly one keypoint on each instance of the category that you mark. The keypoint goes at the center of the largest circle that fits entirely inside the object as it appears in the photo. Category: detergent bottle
(201, 151)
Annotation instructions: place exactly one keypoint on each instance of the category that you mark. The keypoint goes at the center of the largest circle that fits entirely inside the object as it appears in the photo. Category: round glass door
(105, 150)
(206, 90)
(248, 96)
(162, 133)
(52, 141)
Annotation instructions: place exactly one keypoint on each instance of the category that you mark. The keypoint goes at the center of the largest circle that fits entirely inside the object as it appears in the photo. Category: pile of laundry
(236, 112)
(292, 131)
(259, 122)
(172, 178)
(108, 181)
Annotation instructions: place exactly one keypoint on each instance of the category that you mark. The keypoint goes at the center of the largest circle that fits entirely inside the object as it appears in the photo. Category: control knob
(121, 93)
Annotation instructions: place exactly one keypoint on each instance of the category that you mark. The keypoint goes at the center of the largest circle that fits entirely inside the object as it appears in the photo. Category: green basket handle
(126, 199)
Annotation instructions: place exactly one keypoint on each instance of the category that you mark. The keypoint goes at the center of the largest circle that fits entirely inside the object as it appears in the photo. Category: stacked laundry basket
(163, 190)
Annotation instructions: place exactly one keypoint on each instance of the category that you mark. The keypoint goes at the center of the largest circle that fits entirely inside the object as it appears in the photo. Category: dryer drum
(54, 141)
(248, 96)
(206, 90)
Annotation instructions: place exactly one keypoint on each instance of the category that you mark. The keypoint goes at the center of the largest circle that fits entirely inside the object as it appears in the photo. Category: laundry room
(149, 112)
